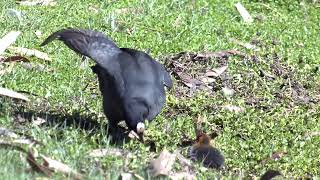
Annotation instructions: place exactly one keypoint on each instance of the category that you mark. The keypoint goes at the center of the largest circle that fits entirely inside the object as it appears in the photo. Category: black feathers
(131, 82)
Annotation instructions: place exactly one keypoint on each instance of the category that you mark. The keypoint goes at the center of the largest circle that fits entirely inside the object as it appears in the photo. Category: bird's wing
(95, 45)
(167, 81)
(164, 74)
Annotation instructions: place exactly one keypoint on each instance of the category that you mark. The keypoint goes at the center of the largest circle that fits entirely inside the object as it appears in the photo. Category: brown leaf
(36, 166)
(244, 13)
(30, 52)
(163, 164)
(188, 80)
(7, 40)
(60, 167)
(30, 157)
(278, 155)
(37, 2)
(16, 59)
(12, 94)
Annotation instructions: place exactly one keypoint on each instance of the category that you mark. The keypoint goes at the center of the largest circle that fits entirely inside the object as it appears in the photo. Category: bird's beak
(140, 130)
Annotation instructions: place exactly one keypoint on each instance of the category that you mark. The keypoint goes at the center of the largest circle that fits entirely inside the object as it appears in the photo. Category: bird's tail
(90, 43)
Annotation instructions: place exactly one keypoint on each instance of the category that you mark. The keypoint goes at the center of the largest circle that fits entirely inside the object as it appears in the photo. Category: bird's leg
(113, 130)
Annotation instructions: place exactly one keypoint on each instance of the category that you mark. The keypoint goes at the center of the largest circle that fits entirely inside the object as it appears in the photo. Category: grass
(289, 36)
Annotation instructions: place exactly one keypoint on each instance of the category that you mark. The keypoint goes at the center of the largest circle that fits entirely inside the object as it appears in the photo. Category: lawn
(262, 111)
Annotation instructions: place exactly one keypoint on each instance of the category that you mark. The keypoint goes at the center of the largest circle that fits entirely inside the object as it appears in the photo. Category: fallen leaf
(188, 80)
(109, 152)
(16, 59)
(126, 176)
(8, 39)
(245, 45)
(12, 94)
(278, 155)
(37, 2)
(183, 175)
(60, 167)
(7, 133)
(232, 108)
(38, 33)
(30, 52)
(216, 72)
(227, 92)
(30, 157)
(312, 134)
(36, 166)
(244, 13)
(163, 164)
(39, 121)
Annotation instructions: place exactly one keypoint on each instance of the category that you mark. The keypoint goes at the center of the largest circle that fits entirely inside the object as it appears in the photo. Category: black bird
(131, 82)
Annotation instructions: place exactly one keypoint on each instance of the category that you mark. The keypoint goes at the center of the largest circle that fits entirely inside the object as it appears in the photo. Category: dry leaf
(37, 2)
(232, 108)
(244, 13)
(183, 175)
(12, 94)
(16, 59)
(7, 133)
(227, 92)
(278, 155)
(109, 152)
(30, 157)
(245, 45)
(38, 33)
(7, 40)
(36, 166)
(30, 52)
(39, 121)
(126, 176)
(60, 167)
(312, 134)
(163, 164)
(216, 72)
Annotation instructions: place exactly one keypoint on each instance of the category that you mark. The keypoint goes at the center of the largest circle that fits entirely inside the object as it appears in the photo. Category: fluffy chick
(202, 151)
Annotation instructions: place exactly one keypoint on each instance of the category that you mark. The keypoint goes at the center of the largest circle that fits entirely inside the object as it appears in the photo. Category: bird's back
(142, 79)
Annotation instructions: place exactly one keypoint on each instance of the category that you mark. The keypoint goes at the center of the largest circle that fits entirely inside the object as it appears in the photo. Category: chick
(131, 82)
(202, 151)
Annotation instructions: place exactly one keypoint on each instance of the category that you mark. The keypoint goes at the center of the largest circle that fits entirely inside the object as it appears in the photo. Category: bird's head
(136, 111)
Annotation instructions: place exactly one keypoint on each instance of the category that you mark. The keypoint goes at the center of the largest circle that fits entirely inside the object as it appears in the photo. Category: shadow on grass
(62, 121)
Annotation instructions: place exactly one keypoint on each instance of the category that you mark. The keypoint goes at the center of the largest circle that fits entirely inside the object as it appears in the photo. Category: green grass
(246, 139)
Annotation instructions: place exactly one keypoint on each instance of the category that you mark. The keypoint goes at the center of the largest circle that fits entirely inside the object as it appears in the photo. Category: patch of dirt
(254, 78)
